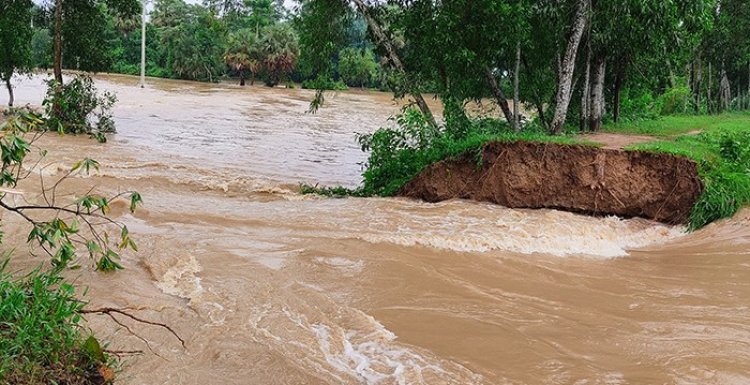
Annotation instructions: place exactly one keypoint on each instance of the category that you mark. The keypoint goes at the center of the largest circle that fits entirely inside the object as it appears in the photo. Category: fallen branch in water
(110, 312)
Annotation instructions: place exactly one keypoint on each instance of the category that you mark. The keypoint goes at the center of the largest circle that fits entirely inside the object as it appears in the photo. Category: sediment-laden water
(271, 287)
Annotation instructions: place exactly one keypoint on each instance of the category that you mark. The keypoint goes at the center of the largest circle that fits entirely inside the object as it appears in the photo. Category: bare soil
(577, 178)
(616, 141)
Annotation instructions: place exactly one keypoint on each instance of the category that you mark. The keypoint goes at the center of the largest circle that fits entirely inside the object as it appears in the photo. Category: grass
(41, 339)
(668, 126)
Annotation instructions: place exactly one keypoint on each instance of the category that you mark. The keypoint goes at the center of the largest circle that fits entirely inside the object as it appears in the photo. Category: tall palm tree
(280, 47)
(243, 54)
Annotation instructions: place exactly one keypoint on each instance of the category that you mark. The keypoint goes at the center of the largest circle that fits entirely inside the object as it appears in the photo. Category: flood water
(271, 287)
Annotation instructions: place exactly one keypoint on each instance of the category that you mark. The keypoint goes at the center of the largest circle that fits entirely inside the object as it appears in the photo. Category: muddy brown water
(271, 287)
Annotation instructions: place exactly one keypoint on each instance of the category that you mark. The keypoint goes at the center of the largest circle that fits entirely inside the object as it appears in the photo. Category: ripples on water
(271, 287)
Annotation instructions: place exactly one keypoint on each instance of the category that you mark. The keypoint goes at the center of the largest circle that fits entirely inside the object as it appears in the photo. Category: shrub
(674, 101)
(357, 67)
(324, 83)
(77, 108)
(41, 338)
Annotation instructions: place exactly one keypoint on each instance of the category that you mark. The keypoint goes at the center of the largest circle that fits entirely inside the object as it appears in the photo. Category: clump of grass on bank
(41, 339)
(723, 156)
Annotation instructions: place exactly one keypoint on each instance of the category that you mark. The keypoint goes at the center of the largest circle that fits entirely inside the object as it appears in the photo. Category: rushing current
(268, 286)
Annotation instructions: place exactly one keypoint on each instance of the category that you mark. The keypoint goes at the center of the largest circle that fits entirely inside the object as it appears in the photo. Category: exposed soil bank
(584, 179)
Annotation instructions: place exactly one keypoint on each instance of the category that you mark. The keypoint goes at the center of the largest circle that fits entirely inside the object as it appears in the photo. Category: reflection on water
(270, 287)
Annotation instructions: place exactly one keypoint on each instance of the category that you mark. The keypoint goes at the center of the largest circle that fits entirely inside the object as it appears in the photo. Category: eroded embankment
(584, 179)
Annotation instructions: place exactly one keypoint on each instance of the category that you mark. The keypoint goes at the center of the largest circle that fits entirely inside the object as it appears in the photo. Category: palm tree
(243, 54)
(280, 48)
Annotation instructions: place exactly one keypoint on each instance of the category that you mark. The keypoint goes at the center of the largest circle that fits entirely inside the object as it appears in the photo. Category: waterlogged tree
(15, 41)
(244, 54)
(357, 67)
(279, 46)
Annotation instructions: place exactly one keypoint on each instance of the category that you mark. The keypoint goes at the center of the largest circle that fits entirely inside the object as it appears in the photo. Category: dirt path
(616, 141)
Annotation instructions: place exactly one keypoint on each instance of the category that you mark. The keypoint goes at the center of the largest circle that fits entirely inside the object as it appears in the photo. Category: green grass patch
(681, 124)
(41, 338)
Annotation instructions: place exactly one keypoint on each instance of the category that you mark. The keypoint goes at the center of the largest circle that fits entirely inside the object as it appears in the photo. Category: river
(271, 287)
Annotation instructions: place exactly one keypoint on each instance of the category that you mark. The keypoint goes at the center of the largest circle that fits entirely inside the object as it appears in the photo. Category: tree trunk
(58, 41)
(597, 95)
(725, 91)
(516, 90)
(697, 82)
(382, 39)
(11, 98)
(567, 67)
(708, 99)
(586, 92)
(619, 79)
(242, 78)
(538, 102)
(502, 101)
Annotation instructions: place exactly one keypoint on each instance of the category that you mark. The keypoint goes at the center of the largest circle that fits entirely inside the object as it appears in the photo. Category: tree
(279, 46)
(79, 30)
(567, 66)
(357, 67)
(41, 48)
(243, 54)
(15, 41)
(193, 39)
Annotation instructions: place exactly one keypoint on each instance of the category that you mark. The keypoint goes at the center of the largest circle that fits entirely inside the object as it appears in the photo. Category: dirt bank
(584, 179)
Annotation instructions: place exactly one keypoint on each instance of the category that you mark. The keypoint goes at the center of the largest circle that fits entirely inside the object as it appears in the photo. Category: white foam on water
(524, 231)
(351, 346)
(181, 279)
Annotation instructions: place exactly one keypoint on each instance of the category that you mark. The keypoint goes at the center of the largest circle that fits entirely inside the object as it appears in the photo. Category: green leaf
(92, 347)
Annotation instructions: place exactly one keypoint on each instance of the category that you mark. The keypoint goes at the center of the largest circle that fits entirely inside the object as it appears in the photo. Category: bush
(357, 67)
(77, 108)
(324, 83)
(674, 101)
(637, 105)
(41, 338)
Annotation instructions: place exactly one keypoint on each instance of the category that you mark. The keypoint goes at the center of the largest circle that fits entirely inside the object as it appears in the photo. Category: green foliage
(78, 222)
(243, 53)
(723, 156)
(331, 192)
(279, 45)
(323, 83)
(77, 108)
(41, 335)
(357, 67)
(194, 40)
(674, 101)
(15, 38)
(41, 47)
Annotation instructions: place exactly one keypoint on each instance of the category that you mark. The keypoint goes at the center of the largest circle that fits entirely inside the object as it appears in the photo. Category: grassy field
(683, 124)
